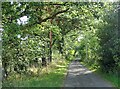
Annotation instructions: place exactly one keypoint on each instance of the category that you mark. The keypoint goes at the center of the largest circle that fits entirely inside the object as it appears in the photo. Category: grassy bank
(110, 77)
(51, 76)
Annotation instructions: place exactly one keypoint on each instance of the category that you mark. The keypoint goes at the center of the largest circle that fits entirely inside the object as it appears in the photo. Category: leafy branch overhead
(53, 15)
(31, 10)
(68, 29)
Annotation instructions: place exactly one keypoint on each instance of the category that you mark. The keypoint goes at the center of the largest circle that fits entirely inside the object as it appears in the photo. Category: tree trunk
(44, 63)
(50, 56)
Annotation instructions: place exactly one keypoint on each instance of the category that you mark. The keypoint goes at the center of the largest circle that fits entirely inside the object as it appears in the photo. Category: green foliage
(94, 24)
(100, 43)
(53, 77)
(108, 36)
(113, 78)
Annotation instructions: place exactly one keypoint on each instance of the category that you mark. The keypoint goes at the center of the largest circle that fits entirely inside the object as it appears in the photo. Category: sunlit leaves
(93, 22)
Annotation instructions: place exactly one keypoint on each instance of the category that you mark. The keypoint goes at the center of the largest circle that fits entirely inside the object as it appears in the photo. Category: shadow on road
(79, 77)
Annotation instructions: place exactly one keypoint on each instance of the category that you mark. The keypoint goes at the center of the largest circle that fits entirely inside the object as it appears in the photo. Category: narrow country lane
(79, 76)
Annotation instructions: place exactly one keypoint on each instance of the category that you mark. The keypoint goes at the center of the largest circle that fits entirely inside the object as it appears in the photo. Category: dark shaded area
(44, 63)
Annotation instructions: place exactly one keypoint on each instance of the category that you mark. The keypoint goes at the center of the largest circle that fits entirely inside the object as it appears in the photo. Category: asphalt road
(80, 76)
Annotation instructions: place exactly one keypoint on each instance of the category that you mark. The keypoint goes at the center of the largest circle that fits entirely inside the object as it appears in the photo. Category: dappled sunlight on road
(80, 76)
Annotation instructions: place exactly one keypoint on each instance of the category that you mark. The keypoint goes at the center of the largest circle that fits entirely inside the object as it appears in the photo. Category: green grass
(52, 76)
(111, 77)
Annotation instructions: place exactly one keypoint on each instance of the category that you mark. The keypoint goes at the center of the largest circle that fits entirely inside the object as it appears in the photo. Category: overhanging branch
(53, 16)
(45, 19)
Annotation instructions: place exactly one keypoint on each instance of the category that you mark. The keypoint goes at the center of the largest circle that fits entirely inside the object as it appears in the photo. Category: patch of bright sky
(19, 36)
(22, 20)
(79, 38)
(11, 2)
(24, 38)
(19, 4)
(1, 29)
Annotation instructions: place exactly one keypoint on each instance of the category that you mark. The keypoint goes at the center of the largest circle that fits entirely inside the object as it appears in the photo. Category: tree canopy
(88, 30)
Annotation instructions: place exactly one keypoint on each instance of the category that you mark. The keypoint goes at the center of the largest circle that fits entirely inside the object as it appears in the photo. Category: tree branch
(53, 41)
(57, 4)
(45, 19)
(53, 16)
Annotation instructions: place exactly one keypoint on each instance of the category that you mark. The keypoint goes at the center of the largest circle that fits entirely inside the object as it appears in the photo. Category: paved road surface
(79, 76)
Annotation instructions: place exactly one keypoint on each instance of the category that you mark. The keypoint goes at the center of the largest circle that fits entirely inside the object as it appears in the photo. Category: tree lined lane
(79, 76)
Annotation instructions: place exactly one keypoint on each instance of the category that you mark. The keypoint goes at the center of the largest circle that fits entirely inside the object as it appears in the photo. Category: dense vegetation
(88, 30)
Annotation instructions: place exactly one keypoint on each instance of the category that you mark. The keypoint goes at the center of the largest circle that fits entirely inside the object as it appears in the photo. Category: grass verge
(111, 77)
(52, 76)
